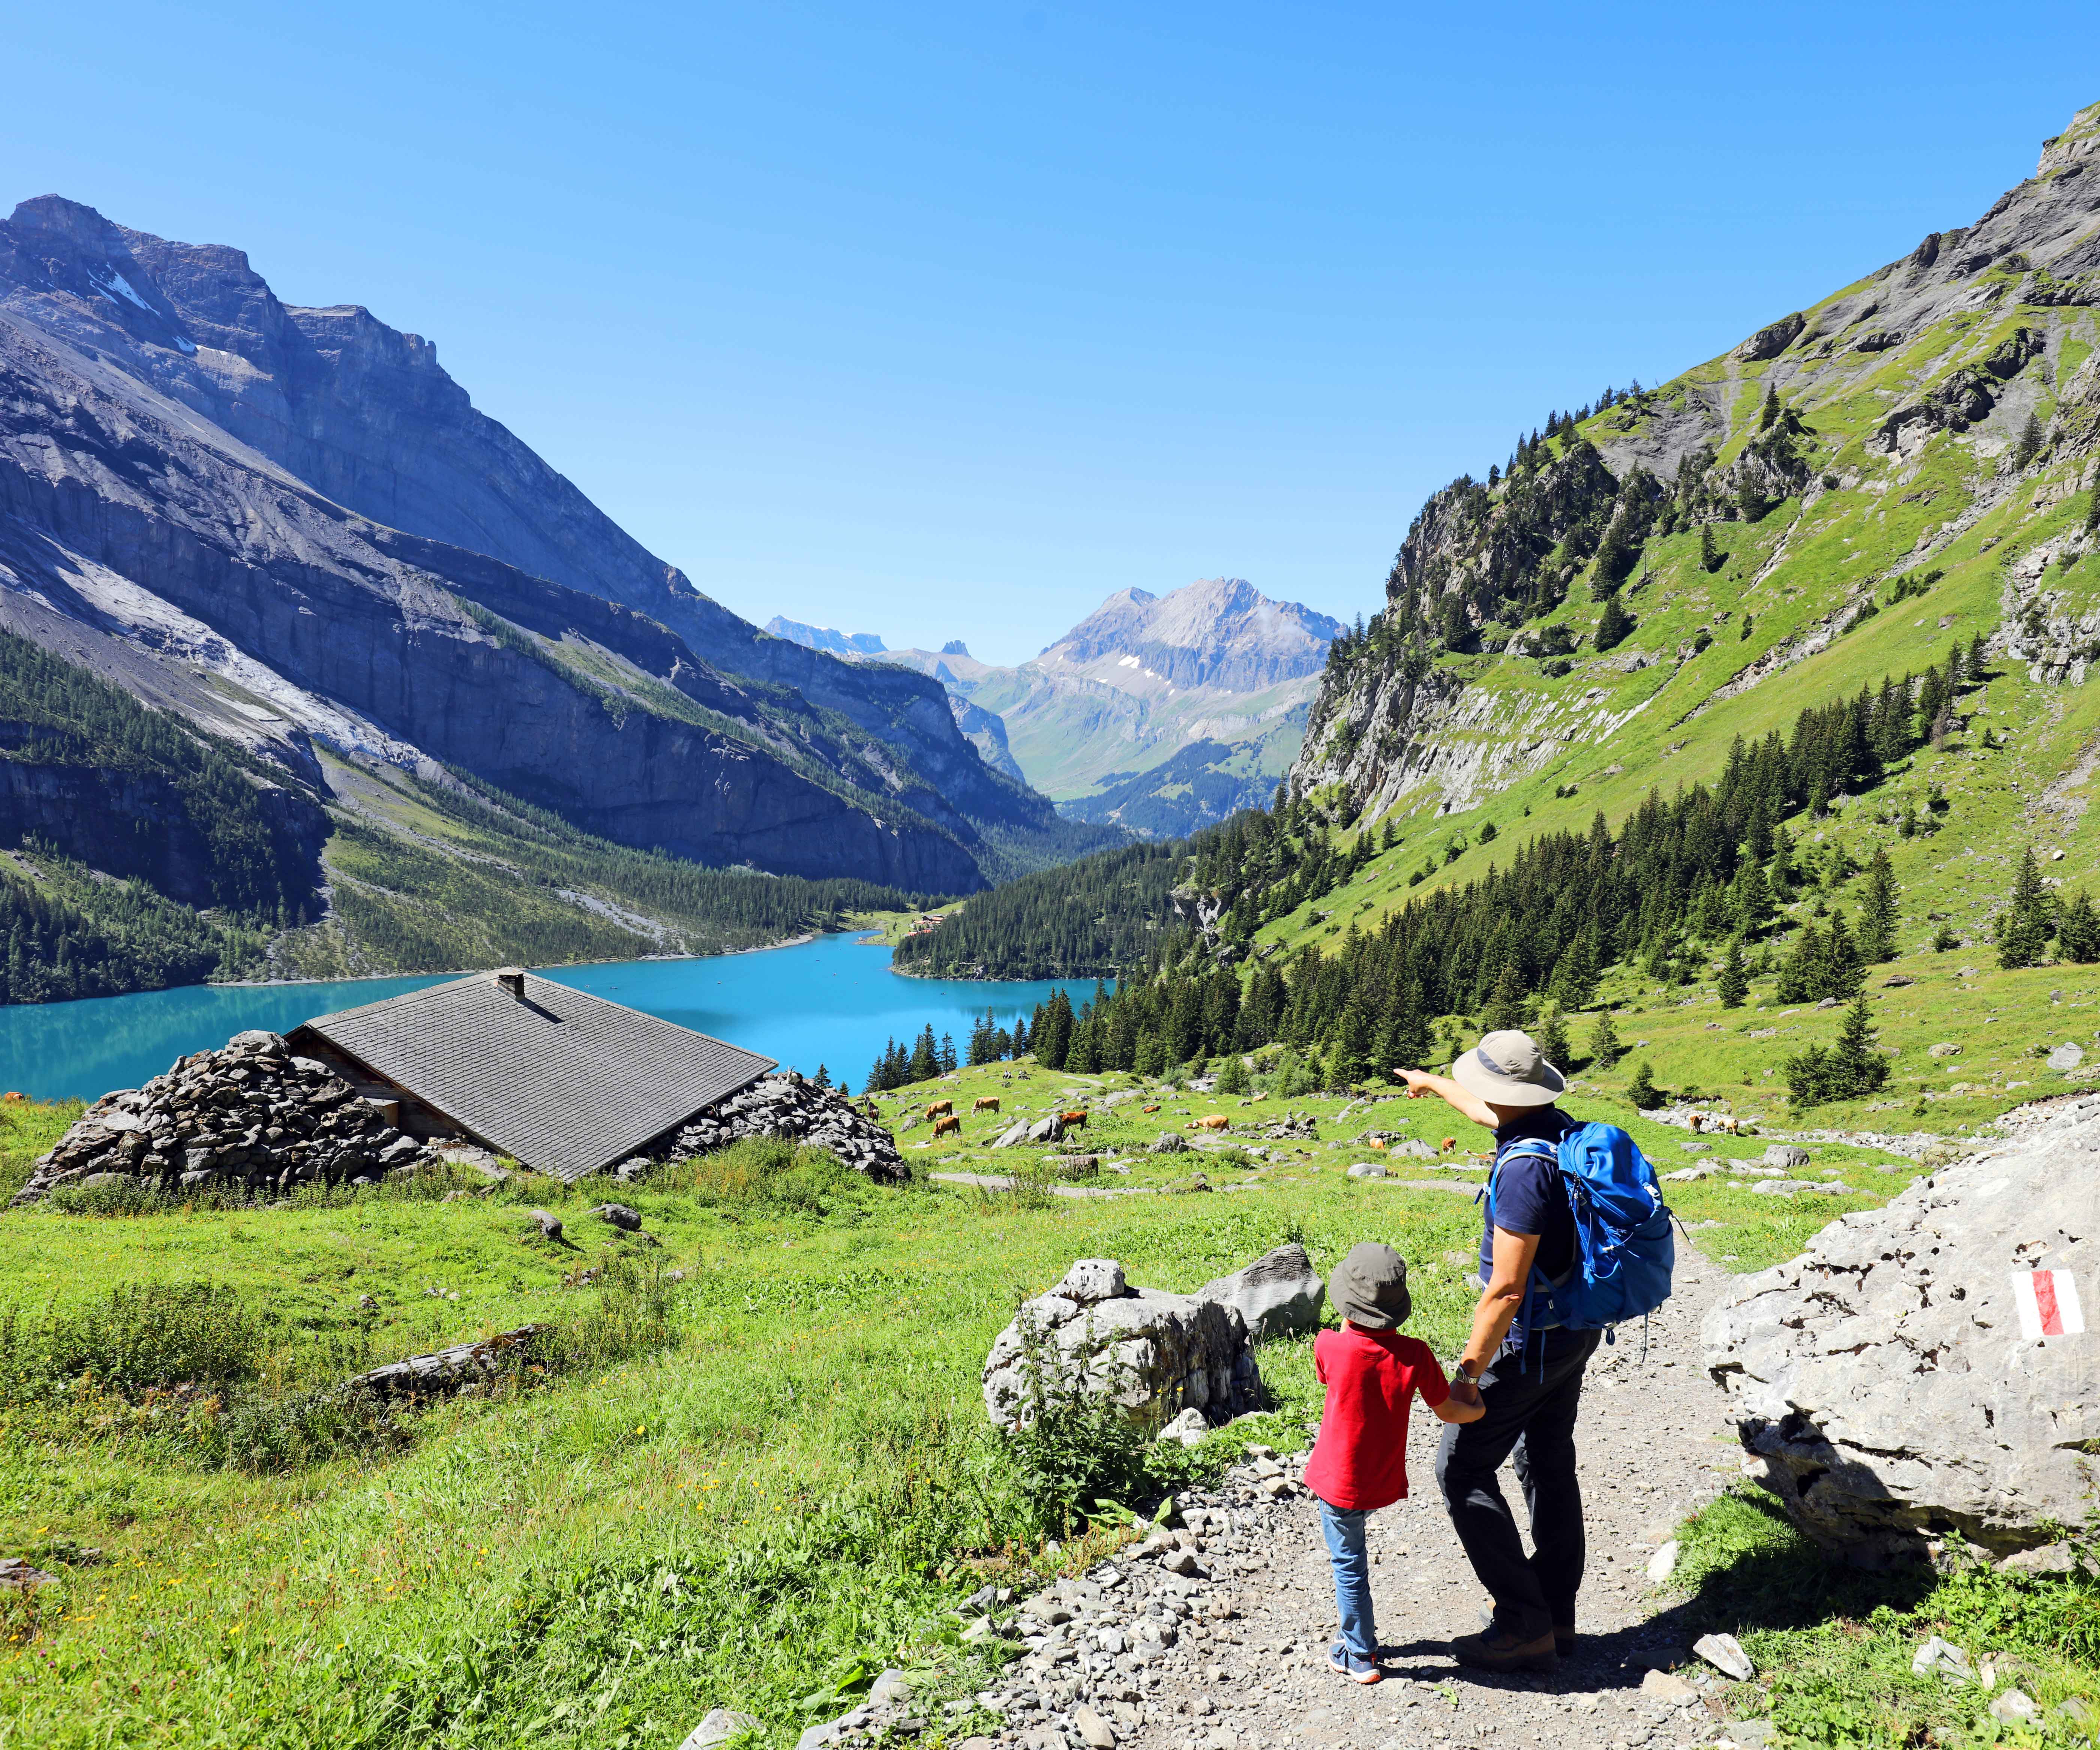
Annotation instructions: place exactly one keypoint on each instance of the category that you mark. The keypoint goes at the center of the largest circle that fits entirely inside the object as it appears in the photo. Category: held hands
(1464, 1390)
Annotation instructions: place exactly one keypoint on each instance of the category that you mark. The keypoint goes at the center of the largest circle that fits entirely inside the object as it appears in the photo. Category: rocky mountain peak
(1219, 631)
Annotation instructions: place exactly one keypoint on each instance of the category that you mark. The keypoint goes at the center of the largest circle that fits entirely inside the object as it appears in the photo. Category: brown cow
(1073, 1121)
(1448, 1144)
(1217, 1121)
(941, 1126)
(940, 1109)
(985, 1103)
(1153, 1107)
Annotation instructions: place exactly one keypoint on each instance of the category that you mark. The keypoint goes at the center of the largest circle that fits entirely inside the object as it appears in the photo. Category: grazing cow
(940, 1109)
(1073, 1121)
(1448, 1144)
(1217, 1121)
(1727, 1123)
(1153, 1107)
(941, 1126)
(985, 1103)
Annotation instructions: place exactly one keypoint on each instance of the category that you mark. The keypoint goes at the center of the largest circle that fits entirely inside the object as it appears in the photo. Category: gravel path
(1249, 1623)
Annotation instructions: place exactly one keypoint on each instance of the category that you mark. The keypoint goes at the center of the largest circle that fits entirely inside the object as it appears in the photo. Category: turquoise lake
(832, 1002)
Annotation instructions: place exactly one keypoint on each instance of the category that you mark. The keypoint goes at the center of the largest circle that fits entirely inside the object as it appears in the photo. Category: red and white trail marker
(2048, 1302)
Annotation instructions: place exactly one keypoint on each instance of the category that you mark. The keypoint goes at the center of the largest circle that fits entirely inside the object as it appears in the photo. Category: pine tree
(1641, 1089)
(2078, 931)
(2027, 922)
(1878, 911)
(1506, 1008)
(1552, 1038)
(823, 1077)
(1768, 414)
(1751, 901)
(1844, 973)
(1735, 986)
(1232, 1077)
(1613, 625)
(2028, 445)
(1710, 555)
(947, 1058)
(1604, 1047)
(1857, 1068)
(1800, 973)
(1573, 985)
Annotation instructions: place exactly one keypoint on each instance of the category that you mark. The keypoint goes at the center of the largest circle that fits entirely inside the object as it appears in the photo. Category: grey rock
(1882, 1380)
(1936, 1655)
(1012, 1136)
(1049, 1130)
(1366, 1170)
(719, 1727)
(1725, 1654)
(15, 1571)
(1279, 1294)
(1944, 1048)
(550, 1224)
(1189, 1428)
(256, 1039)
(2045, 1558)
(2066, 1058)
(1095, 1731)
(1151, 1353)
(1170, 1142)
(1769, 342)
(104, 1181)
(893, 1686)
(1748, 1732)
(1787, 1156)
(619, 1216)
(2014, 1707)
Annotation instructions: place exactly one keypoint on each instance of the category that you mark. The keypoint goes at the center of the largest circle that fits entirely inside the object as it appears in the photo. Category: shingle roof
(563, 1082)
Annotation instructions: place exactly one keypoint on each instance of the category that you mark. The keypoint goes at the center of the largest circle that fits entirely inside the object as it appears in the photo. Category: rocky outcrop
(1911, 1375)
(251, 1116)
(793, 1109)
(1279, 1294)
(1152, 1353)
(1963, 341)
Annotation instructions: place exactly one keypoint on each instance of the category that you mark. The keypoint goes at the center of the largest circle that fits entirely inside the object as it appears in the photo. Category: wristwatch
(1458, 1367)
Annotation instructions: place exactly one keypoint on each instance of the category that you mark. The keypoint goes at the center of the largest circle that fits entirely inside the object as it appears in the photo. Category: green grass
(809, 1454)
(1833, 1645)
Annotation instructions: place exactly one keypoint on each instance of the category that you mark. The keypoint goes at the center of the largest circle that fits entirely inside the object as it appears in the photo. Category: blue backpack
(1624, 1249)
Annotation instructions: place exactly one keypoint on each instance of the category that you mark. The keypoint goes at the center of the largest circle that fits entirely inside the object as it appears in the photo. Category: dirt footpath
(1231, 1653)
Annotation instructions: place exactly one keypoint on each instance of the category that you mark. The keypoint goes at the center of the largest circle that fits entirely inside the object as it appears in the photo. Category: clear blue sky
(947, 320)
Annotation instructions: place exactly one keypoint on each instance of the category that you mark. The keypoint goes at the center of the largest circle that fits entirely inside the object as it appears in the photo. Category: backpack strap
(1536, 1149)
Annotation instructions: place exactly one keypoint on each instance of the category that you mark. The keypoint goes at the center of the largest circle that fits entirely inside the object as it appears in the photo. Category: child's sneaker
(1357, 1670)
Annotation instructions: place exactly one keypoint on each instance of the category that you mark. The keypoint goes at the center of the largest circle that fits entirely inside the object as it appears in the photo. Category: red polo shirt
(1360, 1461)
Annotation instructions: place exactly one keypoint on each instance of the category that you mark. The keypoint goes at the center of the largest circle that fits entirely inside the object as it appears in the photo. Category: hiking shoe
(1496, 1651)
(1340, 1659)
(1563, 1641)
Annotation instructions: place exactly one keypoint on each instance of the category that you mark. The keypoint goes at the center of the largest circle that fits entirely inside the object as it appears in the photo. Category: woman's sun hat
(1369, 1287)
(1507, 1068)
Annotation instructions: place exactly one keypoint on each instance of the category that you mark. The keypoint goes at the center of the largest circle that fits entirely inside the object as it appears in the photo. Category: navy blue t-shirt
(1528, 1199)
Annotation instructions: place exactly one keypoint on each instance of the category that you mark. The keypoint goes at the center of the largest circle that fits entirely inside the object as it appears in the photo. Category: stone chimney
(512, 979)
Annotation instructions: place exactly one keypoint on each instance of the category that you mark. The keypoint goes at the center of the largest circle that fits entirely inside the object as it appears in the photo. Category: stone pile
(1155, 1354)
(794, 1109)
(1925, 1367)
(252, 1115)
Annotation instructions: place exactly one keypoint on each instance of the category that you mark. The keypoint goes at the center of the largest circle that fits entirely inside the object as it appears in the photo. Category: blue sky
(946, 321)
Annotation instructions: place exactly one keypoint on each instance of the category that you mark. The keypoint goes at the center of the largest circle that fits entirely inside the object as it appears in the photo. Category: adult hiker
(1549, 1286)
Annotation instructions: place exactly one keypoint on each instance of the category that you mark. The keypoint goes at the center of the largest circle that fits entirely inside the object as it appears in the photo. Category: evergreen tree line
(55, 713)
(101, 939)
(920, 1061)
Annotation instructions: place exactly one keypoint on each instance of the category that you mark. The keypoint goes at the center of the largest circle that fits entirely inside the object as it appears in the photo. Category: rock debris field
(1215, 1637)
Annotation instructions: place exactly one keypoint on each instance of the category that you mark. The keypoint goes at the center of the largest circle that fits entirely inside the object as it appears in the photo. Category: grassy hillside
(699, 1501)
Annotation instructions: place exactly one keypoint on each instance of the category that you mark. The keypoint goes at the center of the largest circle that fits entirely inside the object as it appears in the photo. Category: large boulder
(1153, 1353)
(1279, 1294)
(1902, 1379)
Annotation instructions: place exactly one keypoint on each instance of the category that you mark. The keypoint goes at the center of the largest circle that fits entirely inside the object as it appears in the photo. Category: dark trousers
(1531, 1413)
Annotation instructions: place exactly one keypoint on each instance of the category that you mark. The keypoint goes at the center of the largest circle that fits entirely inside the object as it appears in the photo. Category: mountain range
(1157, 713)
(1828, 600)
(290, 527)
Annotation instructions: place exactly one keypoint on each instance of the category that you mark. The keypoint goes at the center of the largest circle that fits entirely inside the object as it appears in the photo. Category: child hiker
(1359, 1463)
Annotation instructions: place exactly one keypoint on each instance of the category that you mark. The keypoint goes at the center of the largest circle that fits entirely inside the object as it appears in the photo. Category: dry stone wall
(252, 1115)
(793, 1109)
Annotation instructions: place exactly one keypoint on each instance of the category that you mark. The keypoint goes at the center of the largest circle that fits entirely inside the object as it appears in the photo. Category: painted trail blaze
(2048, 1302)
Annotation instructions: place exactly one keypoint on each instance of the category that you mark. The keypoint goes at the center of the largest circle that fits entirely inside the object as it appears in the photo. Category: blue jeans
(1343, 1528)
